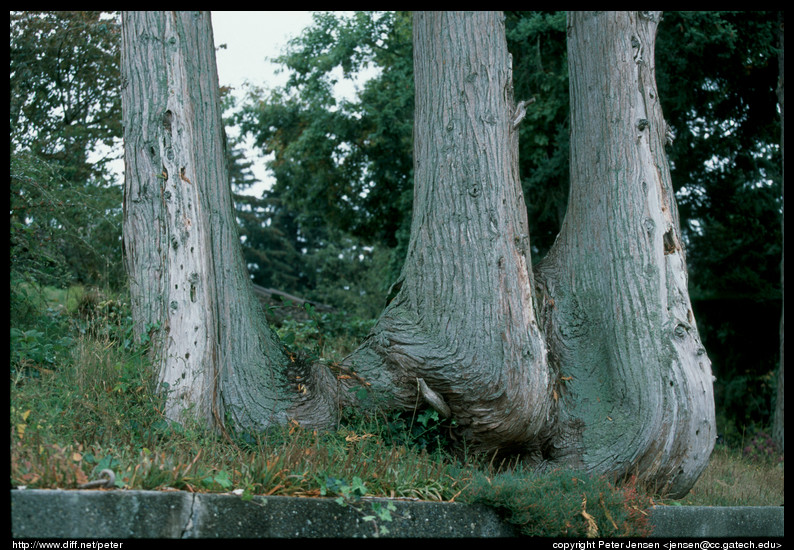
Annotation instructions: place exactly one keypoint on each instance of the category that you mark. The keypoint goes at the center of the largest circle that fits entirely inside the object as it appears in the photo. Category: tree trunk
(462, 321)
(625, 386)
(616, 307)
(217, 357)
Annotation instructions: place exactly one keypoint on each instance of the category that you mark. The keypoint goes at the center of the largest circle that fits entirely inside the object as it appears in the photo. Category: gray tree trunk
(598, 366)
(217, 357)
(602, 368)
(463, 321)
(638, 395)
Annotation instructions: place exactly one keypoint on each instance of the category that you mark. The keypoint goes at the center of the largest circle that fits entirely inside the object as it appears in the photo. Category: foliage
(51, 373)
(342, 168)
(91, 406)
(61, 231)
(264, 224)
(327, 335)
(726, 153)
(351, 495)
(762, 448)
(65, 111)
(563, 503)
(65, 84)
(537, 42)
(37, 352)
(33, 354)
(418, 429)
(717, 74)
(356, 149)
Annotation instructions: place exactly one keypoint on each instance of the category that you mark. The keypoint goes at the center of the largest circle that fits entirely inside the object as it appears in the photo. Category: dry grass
(732, 479)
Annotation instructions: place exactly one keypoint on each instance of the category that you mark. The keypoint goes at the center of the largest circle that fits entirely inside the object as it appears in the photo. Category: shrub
(762, 449)
(563, 503)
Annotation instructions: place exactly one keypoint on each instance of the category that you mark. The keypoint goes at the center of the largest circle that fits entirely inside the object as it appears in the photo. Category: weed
(351, 495)
(731, 479)
(762, 449)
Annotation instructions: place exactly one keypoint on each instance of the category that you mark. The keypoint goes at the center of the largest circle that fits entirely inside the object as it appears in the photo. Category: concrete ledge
(114, 514)
(154, 514)
(717, 521)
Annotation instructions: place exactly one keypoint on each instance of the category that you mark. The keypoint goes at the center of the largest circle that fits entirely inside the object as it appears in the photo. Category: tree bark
(597, 364)
(616, 307)
(217, 358)
(602, 368)
(462, 322)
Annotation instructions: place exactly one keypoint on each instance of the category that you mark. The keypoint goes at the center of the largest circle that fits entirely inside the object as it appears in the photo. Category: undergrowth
(564, 503)
(84, 399)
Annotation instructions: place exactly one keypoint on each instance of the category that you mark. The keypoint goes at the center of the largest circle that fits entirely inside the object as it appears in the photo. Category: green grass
(82, 400)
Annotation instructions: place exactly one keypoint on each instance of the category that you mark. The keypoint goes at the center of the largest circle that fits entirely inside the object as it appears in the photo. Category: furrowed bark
(637, 393)
(217, 358)
(596, 364)
(463, 320)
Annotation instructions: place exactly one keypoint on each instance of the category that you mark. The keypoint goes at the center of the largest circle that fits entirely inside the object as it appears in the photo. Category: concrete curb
(177, 514)
(717, 521)
(40, 513)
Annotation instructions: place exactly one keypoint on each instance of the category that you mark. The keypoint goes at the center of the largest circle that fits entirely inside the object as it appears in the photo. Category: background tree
(65, 115)
(537, 42)
(343, 168)
(717, 80)
(778, 422)
(64, 80)
(270, 255)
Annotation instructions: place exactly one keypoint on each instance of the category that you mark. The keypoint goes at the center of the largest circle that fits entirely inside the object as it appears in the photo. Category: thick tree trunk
(626, 387)
(463, 320)
(638, 394)
(217, 357)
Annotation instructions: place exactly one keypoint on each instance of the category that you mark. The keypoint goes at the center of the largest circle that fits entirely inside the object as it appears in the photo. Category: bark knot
(433, 399)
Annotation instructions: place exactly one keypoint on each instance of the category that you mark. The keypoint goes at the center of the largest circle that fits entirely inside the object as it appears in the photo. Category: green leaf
(359, 488)
(222, 479)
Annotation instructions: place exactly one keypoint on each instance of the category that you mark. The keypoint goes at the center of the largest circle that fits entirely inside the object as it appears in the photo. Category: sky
(252, 38)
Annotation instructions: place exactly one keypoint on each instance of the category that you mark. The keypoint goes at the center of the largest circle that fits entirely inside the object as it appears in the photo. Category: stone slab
(112, 514)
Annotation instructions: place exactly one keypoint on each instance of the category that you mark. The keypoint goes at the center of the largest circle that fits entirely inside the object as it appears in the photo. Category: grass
(82, 400)
(734, 479)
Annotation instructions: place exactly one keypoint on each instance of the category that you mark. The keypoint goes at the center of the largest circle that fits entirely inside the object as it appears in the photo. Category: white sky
(252, 39)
